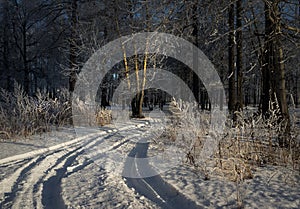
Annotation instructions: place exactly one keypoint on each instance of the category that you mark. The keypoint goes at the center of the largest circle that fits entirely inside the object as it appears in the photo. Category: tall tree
(273, 75)
(30, 32)
(73, 46)
(195, 33)
(231, 58)
(239, 54)
(5, 45)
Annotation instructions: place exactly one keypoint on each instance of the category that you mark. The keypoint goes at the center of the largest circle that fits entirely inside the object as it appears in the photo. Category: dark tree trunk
(221, 97)
(202, 95)
(72, 59)
(195, 53)
(25, 61)
(104, 102)
(135, 106)
(267, 70)
(231, 68)
(72, 76)
(239, 56)
(296, 91)
(274, 88)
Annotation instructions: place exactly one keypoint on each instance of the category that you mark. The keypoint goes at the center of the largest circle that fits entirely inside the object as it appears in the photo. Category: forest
(254, 45)
(97, 63)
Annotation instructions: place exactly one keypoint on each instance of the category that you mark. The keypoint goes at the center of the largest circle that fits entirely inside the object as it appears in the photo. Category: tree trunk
(6, 47)
(72, 76)
(72, 60)
(231, 68)
(195, 53)
(202, 99)
(239, 56)
(274, 88)
(145, 65)
(25, 61)
(280, 82)
(267, 90)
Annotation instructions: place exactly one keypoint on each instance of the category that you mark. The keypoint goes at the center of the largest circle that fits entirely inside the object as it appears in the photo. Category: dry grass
(103, 116)
(22, 115)
(255, 141)
(250, 141)
(246, 144)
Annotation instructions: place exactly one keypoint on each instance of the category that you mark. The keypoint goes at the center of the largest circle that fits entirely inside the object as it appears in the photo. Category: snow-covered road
(74, 175)
(153, 187)
(35, 180)
(86, 172)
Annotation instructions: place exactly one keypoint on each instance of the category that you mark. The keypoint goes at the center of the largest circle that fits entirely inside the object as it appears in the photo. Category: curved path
(153, 188)
(33, 180)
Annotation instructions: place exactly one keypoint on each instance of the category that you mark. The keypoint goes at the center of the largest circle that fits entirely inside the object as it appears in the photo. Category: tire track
(153, 188)
(11, 168)
(41, 171)
(10, 187)
(17, 190)
(60, 162)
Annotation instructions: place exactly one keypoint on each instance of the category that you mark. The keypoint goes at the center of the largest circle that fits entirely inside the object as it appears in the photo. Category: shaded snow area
(22, 145)
(58, 170)
(92, 187)
(271, 187)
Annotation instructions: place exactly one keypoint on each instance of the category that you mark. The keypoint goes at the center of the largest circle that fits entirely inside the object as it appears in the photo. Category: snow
(23, 145)
(57, 169)
(271, 187)
(84, 189)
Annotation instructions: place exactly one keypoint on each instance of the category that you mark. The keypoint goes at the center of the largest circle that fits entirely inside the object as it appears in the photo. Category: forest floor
(64, 170)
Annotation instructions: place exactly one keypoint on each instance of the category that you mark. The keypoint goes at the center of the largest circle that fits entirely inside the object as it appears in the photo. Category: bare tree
(274, 87)
(231, 58)
(239, 54)
(73, 48)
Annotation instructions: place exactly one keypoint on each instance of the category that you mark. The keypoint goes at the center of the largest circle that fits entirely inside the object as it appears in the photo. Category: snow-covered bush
(252, 140)
(90, 115)
(257, 139)
(188, 128)
(103, 116)
(24, 115)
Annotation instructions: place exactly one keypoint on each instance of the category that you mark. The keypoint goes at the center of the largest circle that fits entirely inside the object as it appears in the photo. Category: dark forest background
(253, 44)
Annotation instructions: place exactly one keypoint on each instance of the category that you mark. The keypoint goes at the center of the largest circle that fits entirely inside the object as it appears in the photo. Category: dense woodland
(251, 132)
(254, 45)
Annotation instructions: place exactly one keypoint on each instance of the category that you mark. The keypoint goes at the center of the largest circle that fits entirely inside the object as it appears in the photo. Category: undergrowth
(252, 141)
(23, 115)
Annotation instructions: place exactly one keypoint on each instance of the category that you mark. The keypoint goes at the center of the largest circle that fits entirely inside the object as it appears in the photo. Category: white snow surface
(53, 171)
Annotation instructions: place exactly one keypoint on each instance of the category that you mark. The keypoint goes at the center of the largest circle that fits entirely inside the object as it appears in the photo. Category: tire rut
(153, 188)
(37, 182)
(23, 173)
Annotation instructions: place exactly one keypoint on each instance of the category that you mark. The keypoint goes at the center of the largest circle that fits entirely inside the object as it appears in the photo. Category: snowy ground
(22, 145)
(61, 171)
(271, 187)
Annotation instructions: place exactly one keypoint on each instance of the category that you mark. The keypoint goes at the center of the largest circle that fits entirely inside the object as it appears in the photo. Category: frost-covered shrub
(252, 140)
(103, 116)
(255, 139)
(24, 115)
(188, 128)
